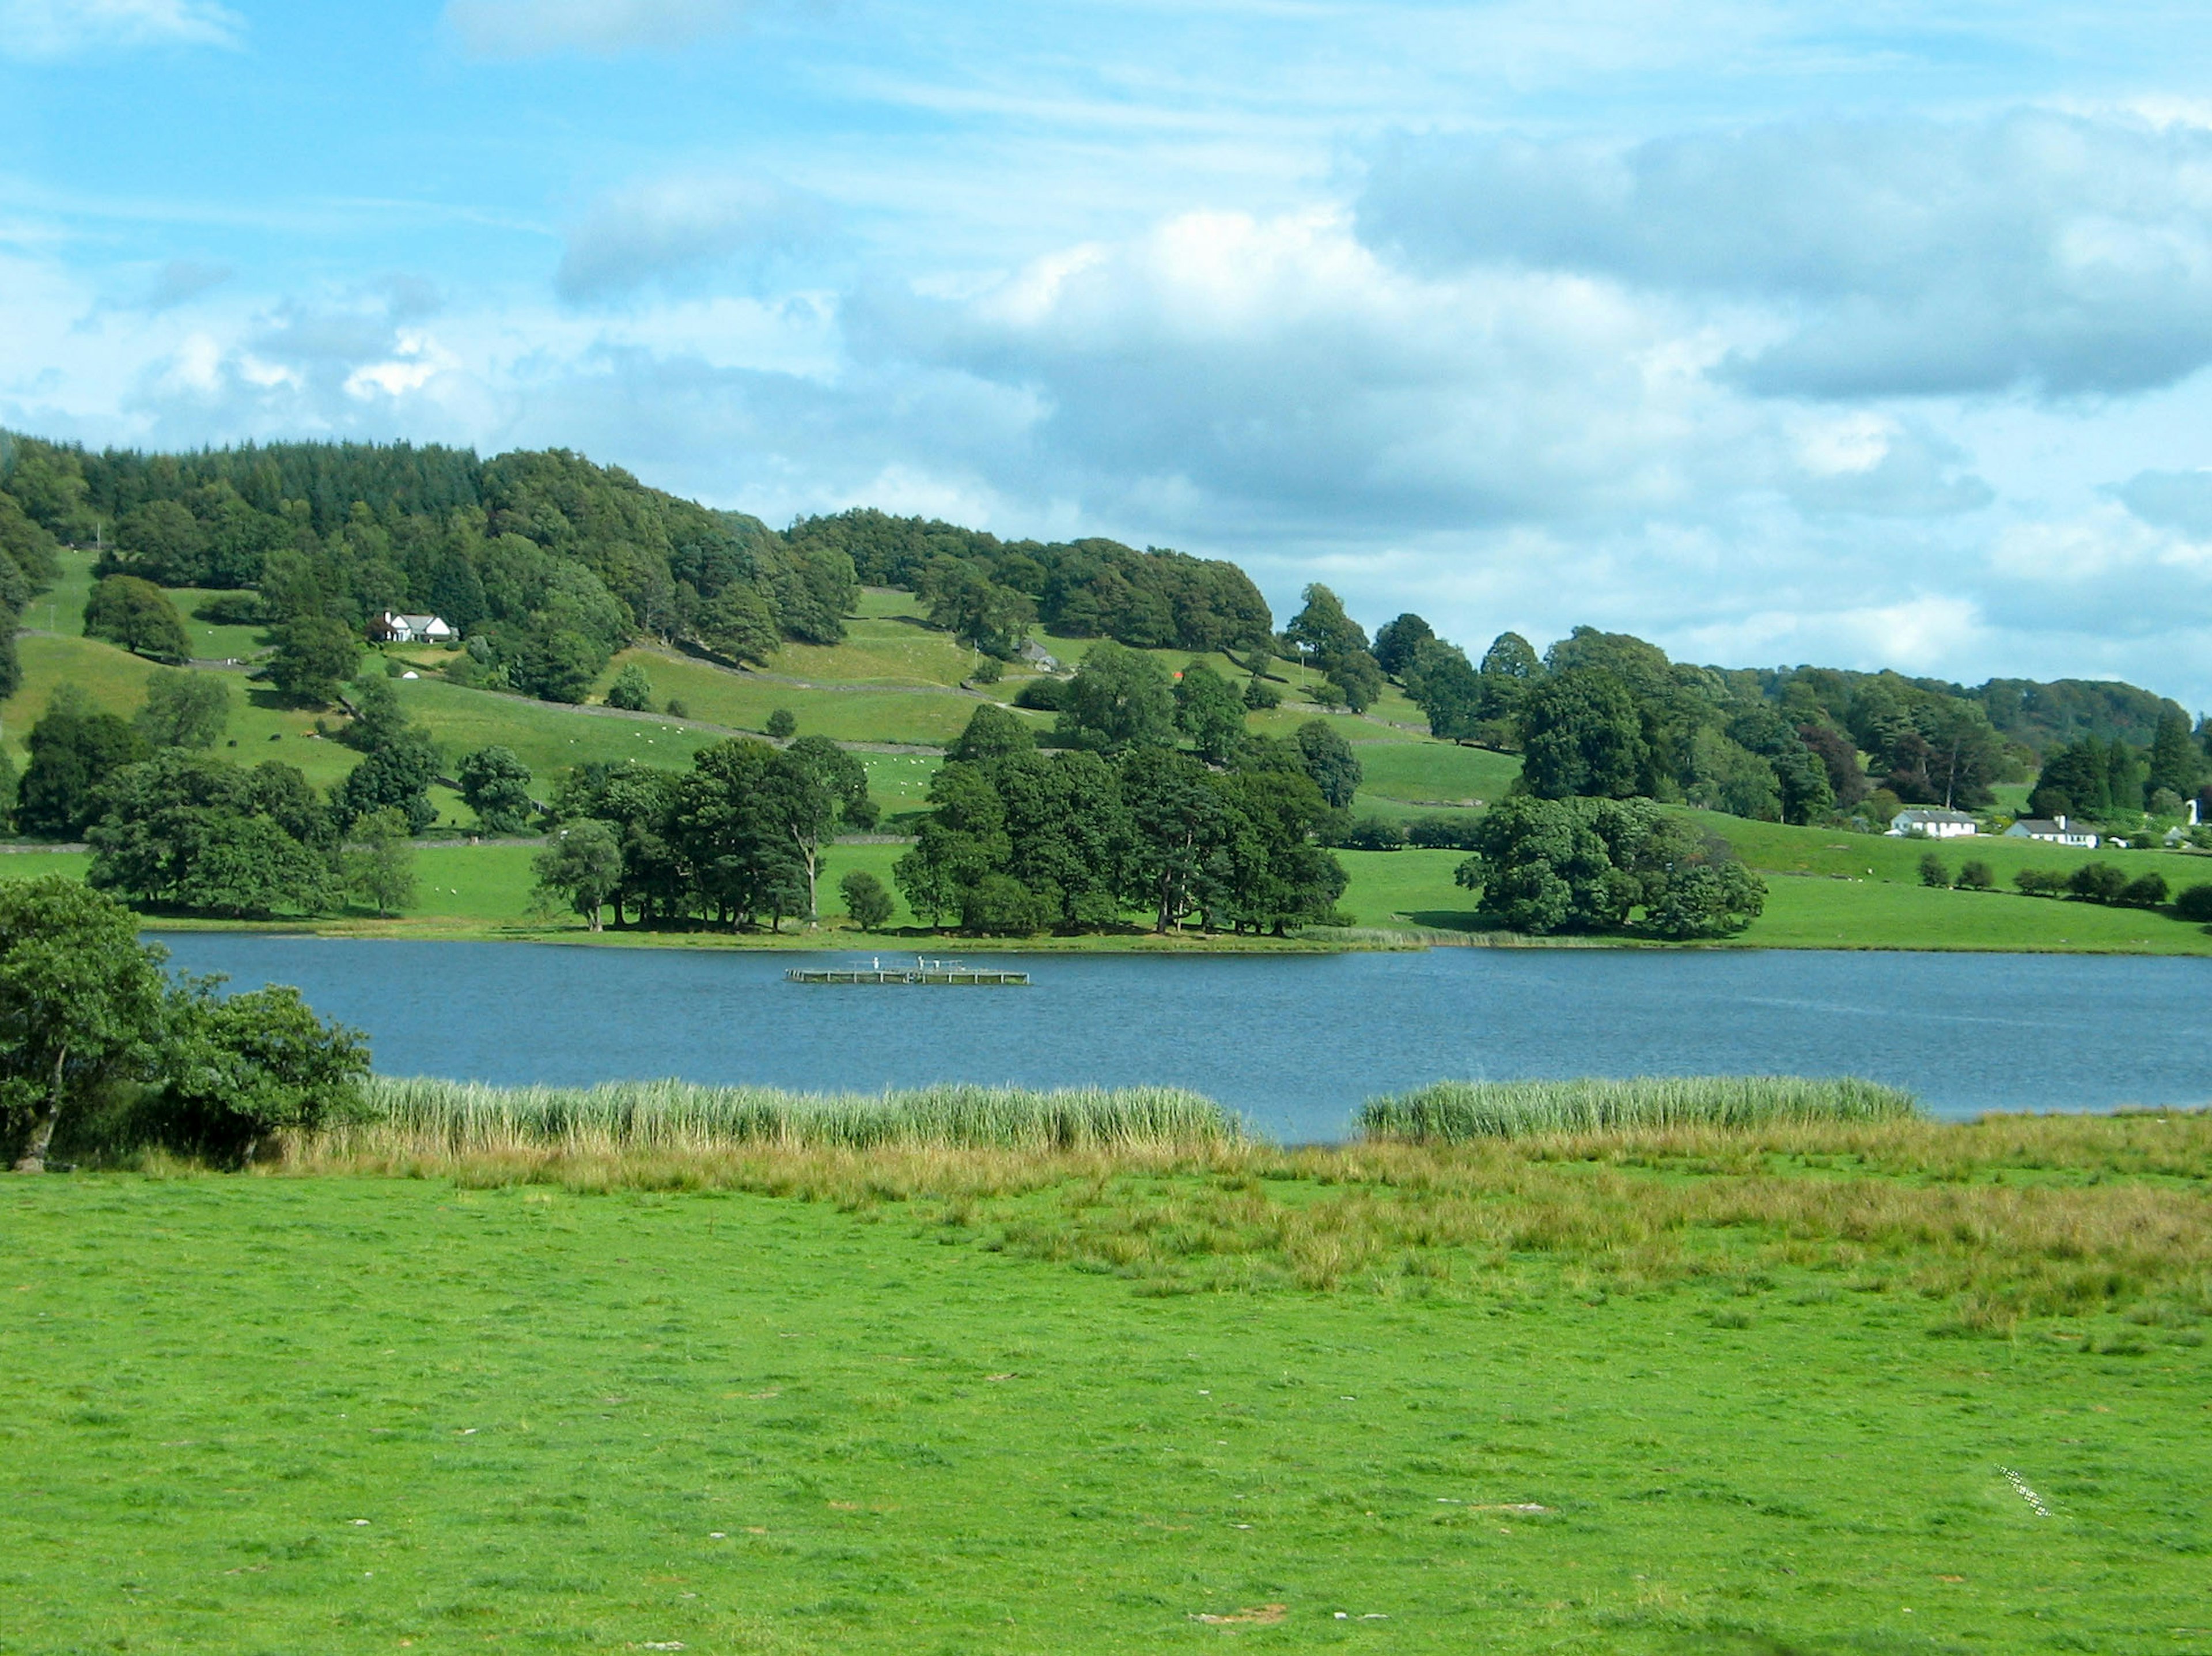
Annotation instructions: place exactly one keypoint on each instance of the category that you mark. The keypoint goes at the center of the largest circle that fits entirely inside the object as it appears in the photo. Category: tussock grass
(1983, 1224)
(1454, 1112)
(659, 1117)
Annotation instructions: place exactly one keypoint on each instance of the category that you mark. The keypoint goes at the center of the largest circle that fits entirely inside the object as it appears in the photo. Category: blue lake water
(1293, 1042)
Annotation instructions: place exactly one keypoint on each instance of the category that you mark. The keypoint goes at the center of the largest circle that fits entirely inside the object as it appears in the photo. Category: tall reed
(1455, 1112)
(448, 1117)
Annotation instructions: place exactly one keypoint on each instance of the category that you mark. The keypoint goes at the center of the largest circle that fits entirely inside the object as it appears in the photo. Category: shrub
(1261, 696)
(676, 710)
(2195, 903)
(999, 905)
(782, 724)
(631, 691)
(2040, 882)
(2144, 892)
(1975, 876)
(231, 610)
(1442, 833)
(988, 670)
(1933, 872)
(2097, 882)
(1372, 834)
(867, 904)
(1043, 694)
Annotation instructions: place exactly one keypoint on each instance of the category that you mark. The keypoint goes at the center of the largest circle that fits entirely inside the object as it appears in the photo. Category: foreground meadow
(1864, 1386)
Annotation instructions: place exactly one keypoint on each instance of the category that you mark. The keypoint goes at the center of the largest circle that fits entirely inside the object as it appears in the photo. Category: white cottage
(2054, 831)
(388, 628)
(1921, 823)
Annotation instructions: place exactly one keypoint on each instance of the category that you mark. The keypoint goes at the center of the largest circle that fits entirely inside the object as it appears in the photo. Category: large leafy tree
(198, 833)
(1542, 868)
(814, 788)
(495, 785)
(1328, 758)
(1210, 711)
(138, 615)
(74, 749)
(580, 868)
(991, 732)
(1176, 824)
(81, 1001)
(1581, 734)
(184, 709)
(963, 839)
(315, 655)
(1119, 698)
(1447, 689)
(1398, 643)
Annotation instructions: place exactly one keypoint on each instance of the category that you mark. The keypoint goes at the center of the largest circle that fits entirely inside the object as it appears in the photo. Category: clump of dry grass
(1991, 1222)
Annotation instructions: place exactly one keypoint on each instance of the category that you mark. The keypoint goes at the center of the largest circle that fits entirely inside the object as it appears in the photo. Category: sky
(1868, 335)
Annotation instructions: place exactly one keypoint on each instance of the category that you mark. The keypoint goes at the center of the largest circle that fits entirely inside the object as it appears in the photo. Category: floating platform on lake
(922, 971)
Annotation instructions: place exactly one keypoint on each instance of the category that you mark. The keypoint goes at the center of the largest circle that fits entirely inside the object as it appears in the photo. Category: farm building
(388, 628)
(2054, 830)
(1926, 824)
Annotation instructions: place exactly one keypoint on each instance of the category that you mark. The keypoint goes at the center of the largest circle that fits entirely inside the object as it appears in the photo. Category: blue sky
(1868, 335)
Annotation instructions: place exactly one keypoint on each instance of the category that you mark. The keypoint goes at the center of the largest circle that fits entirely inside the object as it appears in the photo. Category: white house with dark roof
(1921, 822)
(2053, 830)
(392, 628)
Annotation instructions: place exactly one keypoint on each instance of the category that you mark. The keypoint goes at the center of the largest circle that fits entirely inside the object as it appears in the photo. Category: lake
(1295, 1042)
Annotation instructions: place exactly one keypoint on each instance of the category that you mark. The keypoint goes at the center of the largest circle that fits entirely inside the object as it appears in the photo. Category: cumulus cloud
(56, 28)
(673, 231)
(2071, 253)
(531, 28)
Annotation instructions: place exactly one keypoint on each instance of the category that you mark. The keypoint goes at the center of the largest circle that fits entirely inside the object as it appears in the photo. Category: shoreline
(834, 941)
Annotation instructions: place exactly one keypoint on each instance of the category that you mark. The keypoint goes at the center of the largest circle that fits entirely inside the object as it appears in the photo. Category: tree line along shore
(678, 706)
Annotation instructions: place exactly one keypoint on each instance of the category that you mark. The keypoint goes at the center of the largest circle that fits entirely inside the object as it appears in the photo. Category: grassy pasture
(1640, 1393)
(744, 701)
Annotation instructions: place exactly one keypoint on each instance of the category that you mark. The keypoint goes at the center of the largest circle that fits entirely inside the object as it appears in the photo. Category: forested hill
(550, 563)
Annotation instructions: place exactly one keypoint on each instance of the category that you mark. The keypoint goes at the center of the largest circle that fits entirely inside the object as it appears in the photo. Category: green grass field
(340, 1414)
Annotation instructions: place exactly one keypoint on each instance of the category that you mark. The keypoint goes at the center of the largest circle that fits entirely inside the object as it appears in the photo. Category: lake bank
(1865, 894)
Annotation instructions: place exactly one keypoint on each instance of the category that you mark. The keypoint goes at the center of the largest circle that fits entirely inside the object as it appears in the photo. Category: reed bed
(1460, 1112)
(465, 1118)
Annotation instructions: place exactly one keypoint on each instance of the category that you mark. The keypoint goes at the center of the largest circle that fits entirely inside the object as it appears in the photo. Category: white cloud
(531, 28)
(2070, 254)
(55, 29)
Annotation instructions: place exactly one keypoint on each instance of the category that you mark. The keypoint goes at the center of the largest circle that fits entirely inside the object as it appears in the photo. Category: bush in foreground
(1456, 1111)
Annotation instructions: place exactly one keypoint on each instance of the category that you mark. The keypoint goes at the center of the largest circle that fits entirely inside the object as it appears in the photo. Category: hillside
(895, 683)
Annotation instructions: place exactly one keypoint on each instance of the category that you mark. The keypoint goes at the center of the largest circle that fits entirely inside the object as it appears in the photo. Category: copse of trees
(739, 839)
(1590, 865)
(1019, 841)
(2108, 780)
(988, 592)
